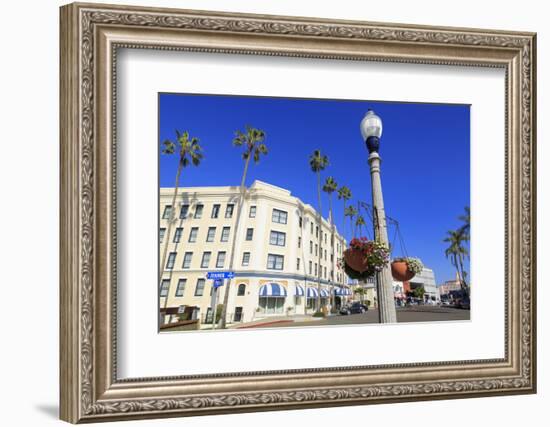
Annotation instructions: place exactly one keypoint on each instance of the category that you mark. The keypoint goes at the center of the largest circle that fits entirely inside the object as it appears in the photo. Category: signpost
(220, 275)
(218, 278)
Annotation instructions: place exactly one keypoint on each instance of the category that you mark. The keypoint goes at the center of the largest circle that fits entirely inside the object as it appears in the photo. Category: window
(184, 211)
(198, 211)
(252, 212)
(325, 254)
(297, 263)
(167, 214)
(249, 233)
(275, 262)
(246, 259)
(311, 247)
(325, 238)
(316, 269)
(238, 314)
(277, 238)
(164, 287)
(177, 234)
(271, 305)
(205, 259)
(193, 234)
(299, 242)
(181, 287)
(311, 225)
(220, 261)
(171, 260)
(316, 249)
(161, 234)
(279, 216)
(229, 210)
(211, 234)
(300, 222)
(316, 231)
(310, 266)
(215, 211)
(187, 259)
(225, 234)
(241, 290)
(325, 272)
(199, 289)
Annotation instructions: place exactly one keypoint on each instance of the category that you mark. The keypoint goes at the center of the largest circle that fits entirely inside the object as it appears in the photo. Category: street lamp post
(371, 130)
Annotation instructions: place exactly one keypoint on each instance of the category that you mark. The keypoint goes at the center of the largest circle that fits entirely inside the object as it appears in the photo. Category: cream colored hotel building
(276, 252)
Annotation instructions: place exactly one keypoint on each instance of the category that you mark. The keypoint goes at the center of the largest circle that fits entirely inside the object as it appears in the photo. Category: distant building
(276, 253)
(425, 279)
(449, 287)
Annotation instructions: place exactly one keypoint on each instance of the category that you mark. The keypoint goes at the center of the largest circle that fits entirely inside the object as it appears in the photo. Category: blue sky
(425, 151)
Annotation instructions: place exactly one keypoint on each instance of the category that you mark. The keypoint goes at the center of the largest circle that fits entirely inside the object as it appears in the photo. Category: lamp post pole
(371, 129)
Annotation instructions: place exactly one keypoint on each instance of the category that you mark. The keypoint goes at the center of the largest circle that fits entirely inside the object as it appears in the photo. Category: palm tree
(330, 187)
(189, 152)
(318, 162)
(361, 292)
(456, 251)
(344, 193)
(360, 222)
(252, 140)
(352, 213)
(465, 218)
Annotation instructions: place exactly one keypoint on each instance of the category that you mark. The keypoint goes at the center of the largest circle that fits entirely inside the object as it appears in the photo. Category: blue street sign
(218, 283)
(220, 275)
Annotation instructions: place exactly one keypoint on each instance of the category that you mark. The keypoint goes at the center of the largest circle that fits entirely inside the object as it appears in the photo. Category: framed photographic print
(265, 212)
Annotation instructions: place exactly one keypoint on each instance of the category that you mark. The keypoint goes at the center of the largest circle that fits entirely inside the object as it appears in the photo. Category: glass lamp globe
(371, 125)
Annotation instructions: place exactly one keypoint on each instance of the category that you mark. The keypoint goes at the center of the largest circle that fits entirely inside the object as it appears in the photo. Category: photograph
(279, 212)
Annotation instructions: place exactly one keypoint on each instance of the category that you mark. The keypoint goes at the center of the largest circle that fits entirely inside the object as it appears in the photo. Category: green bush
(219, 309)
(318, 314)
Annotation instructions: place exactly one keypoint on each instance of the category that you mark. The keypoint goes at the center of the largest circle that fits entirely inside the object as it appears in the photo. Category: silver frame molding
(90, 37)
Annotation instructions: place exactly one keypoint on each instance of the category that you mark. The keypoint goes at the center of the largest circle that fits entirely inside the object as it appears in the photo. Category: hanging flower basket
(364, 258)
(404, 269)
(354, 274)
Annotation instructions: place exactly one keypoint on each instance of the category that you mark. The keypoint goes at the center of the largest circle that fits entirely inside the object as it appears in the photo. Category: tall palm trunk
(458, 270)
(332, 250)
(242, 190)
(344, 222)
(171, 220)
(319, 237)
(463, 284)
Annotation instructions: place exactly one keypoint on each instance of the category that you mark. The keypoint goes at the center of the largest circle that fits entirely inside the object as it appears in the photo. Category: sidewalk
(275, 321)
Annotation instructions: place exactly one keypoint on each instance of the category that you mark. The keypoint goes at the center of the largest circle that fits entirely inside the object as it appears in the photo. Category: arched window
(241, 290)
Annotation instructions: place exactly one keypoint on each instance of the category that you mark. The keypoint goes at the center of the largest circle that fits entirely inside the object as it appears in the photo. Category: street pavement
(421, 313)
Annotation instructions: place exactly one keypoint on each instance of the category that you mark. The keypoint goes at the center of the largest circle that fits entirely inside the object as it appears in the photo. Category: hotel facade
(276, 256)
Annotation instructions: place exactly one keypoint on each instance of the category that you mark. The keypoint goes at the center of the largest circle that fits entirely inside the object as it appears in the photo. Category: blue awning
(299, 291)
(324, 293)
(312, 293)
(272, 290)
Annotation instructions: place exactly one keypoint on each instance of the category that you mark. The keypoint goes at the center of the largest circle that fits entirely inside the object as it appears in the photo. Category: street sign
(218, 283)
(220, 275)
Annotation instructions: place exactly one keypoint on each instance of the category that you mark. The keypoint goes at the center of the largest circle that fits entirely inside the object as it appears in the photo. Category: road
(404, 314)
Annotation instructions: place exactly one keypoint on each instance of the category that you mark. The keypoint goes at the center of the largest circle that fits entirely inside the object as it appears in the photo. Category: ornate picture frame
(90, 37)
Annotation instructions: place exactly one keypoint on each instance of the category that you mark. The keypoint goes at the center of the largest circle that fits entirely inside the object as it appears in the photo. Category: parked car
(353, 308)
(345, 310)
(463, 303)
